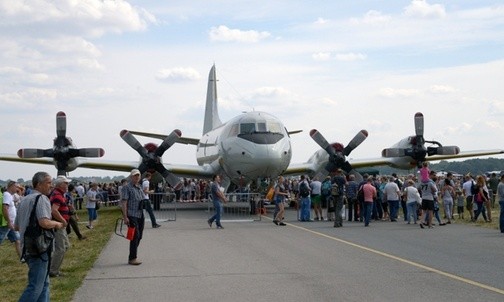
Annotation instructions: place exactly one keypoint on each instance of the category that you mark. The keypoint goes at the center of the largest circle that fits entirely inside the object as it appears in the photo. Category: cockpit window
(247, 128)
(274, 128)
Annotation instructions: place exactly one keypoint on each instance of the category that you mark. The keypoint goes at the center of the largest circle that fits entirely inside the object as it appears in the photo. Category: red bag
(131, 233)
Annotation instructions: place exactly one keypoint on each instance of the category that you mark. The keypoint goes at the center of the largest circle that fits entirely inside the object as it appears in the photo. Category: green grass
(77, 262)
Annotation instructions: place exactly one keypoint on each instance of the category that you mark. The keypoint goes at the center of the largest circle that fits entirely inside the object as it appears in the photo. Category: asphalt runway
(185, 260)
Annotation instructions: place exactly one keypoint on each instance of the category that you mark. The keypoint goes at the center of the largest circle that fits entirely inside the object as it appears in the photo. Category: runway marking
(418, 265)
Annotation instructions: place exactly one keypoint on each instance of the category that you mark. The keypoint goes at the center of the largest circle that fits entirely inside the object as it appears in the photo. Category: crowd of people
(416, 200)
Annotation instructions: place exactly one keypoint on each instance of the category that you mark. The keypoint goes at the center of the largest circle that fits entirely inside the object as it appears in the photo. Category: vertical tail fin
(212, 119)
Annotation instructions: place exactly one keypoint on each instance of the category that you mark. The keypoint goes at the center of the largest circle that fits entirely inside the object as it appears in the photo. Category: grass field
(77, 262)
(82, 255)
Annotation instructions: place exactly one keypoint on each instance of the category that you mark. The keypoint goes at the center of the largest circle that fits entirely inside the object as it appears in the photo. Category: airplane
(411, 151)
(64, 155)
(255, 145)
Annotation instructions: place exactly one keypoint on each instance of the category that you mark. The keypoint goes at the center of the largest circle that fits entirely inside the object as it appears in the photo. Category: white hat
(61, 179)
(135, 172)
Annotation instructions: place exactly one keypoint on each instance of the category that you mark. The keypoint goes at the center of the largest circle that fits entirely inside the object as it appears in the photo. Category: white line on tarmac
(421, 266)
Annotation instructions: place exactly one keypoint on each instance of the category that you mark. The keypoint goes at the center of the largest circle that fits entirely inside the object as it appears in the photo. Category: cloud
(28, 98)
(422, 9)
(225, 34)
(394, 92)
(442, 89)
(321, 21)
(321, 56)
(178, 74)
(270, 92)
(371, 17)
(92, 17)
(350, 57)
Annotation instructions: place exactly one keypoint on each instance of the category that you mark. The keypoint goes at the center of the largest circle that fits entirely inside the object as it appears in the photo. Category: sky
(335, 66)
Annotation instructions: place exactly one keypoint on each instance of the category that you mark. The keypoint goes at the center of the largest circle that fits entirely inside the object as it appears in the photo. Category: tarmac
(248, 260)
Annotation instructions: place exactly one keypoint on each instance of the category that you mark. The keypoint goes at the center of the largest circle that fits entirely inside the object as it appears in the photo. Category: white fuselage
(250, 146)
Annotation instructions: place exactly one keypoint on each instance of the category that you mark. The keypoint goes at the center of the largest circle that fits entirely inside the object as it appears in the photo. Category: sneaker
(156, 226)
(282, 224)
(89, 226)
(220, 227)
(275, 222)
(134, 262)
(82, 237)
(209, 223)
(421, 225)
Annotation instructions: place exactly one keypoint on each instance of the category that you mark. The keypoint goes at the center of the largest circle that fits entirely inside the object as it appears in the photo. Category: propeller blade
(321, 141)
(168, 142)
(358, 176)
(393, 152)
(133, 142)
(35, 153)
(91, 152)
(61, 124)
(356, 141)
(419, 124)
(447, 150)
(170, 178)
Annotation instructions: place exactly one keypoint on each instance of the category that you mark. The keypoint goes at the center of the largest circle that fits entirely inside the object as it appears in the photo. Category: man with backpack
(37, 288)
(353, 203)
(305, 201)
(337, 194)
(325, 194)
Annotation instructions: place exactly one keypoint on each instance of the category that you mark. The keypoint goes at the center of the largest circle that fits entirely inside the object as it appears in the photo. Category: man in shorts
(429, 192)
(8, 216)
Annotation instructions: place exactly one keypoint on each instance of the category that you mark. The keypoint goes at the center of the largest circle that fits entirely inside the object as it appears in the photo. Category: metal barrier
(164, 206)
(240, 206)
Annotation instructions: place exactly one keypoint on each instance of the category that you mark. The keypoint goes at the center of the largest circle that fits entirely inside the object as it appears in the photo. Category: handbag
(37, 240)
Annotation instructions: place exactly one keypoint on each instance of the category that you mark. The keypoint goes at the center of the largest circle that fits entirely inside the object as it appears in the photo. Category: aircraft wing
(192, 171)
(15, 158)
(465, 154)
(313, 167)
(180, 140)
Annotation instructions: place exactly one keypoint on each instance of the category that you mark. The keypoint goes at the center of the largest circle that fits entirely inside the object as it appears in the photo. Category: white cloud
(91, 17)
(372, 17)
(395, 92)
(178, 74)
(270, 92)
(422, 9)
(350, 56)
(225, 34)
(442, 89)
(321, 56)
(321, 21)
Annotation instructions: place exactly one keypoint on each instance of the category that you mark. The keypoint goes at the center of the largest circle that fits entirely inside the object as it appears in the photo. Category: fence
(240, 206)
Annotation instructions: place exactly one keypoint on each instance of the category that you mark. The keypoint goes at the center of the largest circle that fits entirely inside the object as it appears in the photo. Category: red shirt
(369, 192)
(58, 197)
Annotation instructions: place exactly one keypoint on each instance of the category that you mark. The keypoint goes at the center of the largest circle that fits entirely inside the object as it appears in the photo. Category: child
(424, 172)
(460, 204)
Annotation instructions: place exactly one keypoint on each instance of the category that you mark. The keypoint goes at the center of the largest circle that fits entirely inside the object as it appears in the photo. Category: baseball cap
(135, 172)
(61, 179)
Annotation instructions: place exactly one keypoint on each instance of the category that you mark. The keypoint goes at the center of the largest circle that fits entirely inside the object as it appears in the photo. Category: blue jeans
(38, 279)
(305, 209)
(393, 208)
(368, 208)
(412, 211)
(501, 218)
(218, 211)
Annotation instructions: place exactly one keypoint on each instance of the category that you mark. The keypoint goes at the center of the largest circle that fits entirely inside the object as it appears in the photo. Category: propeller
(151, 154)
(63, 150)
(418, 151)
(337, 152)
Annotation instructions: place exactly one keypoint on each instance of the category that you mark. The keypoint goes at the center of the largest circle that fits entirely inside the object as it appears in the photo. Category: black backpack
(303, 190)
(474, 189)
